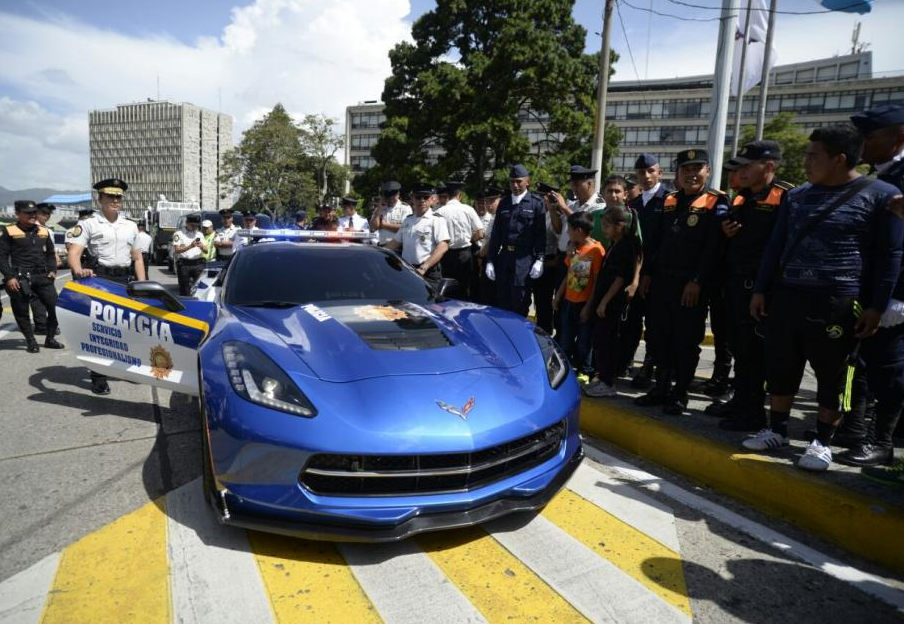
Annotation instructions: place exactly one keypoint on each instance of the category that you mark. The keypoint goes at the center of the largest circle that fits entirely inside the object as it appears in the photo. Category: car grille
(393, 475)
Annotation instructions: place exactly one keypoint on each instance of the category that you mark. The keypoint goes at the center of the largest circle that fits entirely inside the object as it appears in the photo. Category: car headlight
(257, 378)
(556, 363)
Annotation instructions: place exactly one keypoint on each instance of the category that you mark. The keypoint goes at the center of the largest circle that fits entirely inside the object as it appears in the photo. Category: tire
(207, 481)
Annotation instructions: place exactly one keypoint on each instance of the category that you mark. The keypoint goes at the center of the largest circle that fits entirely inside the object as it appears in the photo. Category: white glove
(536, 270)
(490, 271)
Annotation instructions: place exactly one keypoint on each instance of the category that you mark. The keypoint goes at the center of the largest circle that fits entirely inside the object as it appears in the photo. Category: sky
(60, 59)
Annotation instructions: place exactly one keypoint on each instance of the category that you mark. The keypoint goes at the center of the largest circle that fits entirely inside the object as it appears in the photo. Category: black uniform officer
(883, 354)
(517, 243)
(681, 275)
(38, 311)
(647, 205)
(28, 264)
(745, 231)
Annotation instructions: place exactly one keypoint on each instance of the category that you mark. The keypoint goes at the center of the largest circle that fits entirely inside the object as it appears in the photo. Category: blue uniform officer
(517, 243)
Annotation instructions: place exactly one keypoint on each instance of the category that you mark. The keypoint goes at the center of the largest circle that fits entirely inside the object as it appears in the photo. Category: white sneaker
(765, 440)
(600, 390)
(816, 458)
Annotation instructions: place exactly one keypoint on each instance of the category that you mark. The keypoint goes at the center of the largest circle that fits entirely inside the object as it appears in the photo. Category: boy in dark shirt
(820, 276)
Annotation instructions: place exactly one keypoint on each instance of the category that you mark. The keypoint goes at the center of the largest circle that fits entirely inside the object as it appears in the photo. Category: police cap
(85, 212)
(193, 218)
(490, 192)
(111, 186)
(450, 186)
(226, 212)
(731, 165)
(519, 171)
(879, 117)
(349, 201)
(759, 150)
(423, 189)
(45, 207)
(692, 157)
(645, 161)
(390, 187)
(236, 214)
(579, 172)
(248, 215)
(25, 205)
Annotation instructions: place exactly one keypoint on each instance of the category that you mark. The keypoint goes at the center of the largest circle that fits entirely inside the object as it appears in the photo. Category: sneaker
(765, 440)
(600, 390)
(886, 476)
(583, 378)
(817, 458)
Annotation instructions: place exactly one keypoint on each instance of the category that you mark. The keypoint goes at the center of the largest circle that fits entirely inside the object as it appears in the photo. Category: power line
(627, 42)
(777, 12)
(673, 16)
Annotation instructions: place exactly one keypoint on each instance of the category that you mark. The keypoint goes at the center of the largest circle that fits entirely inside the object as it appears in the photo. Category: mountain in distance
(7, 197)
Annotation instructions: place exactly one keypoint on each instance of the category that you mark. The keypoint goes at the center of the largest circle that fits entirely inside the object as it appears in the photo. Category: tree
(793, 140)
(477, 70)
(320, 142)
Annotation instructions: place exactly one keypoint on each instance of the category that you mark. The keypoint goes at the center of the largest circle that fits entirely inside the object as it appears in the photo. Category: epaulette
(715, 192)
(783, 185)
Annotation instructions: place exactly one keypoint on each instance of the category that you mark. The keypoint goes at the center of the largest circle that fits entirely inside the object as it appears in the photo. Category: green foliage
(793, 140)
(476, 72)
(281, 166)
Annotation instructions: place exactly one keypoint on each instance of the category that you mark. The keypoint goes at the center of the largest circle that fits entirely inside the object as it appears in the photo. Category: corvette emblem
(380, 313)
(462, 413)
(161, 362)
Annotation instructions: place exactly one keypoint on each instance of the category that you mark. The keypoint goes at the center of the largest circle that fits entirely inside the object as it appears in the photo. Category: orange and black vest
(690, 234)
(26, 250)
(757, 215)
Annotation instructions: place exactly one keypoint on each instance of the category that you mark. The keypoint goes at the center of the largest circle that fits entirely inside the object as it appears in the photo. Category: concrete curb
(865, 526)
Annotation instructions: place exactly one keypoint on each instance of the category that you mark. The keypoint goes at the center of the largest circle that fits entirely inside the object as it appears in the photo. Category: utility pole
(721, 88)
(739, 92)
(599, 135)
(767, 65)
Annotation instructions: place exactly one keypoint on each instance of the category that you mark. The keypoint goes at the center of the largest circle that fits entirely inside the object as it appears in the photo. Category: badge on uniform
(76, 231)
(692, 220)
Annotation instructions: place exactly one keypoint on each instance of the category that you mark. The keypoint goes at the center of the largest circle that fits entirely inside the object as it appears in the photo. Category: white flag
(756, 46)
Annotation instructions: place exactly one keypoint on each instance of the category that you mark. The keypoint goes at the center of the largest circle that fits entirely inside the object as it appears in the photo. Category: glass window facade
(367, 120)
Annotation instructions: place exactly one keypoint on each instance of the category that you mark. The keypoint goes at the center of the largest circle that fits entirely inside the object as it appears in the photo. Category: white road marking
(406, 586)
(213, 573)
(868, 583)
(644, 513)
(593, 585)
(22, 596)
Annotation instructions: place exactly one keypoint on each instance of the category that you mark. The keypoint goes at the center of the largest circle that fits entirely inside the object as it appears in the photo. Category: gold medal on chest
(692, 220)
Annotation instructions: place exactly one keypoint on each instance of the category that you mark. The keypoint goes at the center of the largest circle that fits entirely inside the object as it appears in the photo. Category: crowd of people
(787, 275)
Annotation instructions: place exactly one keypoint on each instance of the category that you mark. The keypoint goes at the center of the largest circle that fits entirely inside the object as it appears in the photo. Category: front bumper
(338, 532)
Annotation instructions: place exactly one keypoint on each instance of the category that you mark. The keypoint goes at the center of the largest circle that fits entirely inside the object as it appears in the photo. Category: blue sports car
(341, 397)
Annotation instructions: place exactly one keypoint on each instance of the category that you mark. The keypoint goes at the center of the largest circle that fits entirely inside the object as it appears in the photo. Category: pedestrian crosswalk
(601, 551)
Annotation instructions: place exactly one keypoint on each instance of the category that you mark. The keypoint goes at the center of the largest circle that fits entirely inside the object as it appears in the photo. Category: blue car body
(422, 416)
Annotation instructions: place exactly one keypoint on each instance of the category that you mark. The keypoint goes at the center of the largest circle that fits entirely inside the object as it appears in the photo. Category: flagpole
(739, 94)
(599, 136)
(721, 88)
(767, 66)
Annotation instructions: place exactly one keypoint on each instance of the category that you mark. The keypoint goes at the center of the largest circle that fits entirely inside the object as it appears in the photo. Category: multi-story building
(161, 148)
(664, 117)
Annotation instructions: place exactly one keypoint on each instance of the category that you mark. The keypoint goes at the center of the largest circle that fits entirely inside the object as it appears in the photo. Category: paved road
(102, 521)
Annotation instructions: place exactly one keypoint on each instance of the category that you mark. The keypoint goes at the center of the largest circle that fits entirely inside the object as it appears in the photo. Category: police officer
(110, 239)
(388, 219)
(488, 201)
(648, 207)
(325, 220)
(189, 252)
(145, 243)
(28, 264)
(465, 228)
(745, 231)
(424, 236)
(38, 311)
(224, 240)
(883, 148)
(682, 273)
(83, 213)
(301, 220)
(351, 221)
(517, 243)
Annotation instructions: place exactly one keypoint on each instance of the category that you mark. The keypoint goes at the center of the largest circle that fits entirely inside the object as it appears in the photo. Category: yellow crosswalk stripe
(116, 574)
(501, 587)
(309, 582)
(653, 565)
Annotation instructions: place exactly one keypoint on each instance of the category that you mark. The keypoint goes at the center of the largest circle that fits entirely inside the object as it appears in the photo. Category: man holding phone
(746, 230)
(189, 252)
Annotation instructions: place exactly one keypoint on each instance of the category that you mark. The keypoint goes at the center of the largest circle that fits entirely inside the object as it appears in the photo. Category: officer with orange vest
(684, 271)
(746, 230)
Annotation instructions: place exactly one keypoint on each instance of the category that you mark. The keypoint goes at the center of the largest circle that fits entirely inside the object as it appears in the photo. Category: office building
(161, 148)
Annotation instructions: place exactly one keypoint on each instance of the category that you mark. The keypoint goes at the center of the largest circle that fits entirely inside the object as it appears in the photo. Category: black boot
(724, 409)
(644, 377)
(32, 345)
(53, 343)
(867, 454)
(676, 405)
(99, 385)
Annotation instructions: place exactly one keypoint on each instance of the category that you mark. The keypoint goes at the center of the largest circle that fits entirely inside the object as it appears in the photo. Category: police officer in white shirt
(110, 239)
(351, 221)
(465, 228)
(586, 200)
(387, 220)
(224, 240)
(144, 242)
(424, 236)
(189, 252)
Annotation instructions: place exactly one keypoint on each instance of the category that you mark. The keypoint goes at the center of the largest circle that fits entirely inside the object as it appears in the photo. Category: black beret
(519, 171)
(645, 161)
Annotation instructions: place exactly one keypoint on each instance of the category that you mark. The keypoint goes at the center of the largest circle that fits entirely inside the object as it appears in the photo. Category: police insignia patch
(380, 313)
(161, 362)
(691, 154)
(692, 220)
(76, 231)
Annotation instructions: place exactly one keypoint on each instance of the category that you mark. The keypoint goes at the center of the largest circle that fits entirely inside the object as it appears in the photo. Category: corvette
(341, 397)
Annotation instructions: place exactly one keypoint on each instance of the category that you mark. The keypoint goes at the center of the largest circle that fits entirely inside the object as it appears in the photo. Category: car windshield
(284, 274)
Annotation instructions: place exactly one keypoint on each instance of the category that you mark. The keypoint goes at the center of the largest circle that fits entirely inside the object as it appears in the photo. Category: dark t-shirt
(620, 261)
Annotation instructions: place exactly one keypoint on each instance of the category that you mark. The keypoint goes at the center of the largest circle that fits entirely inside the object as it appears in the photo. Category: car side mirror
(448, 287)
(155, 290)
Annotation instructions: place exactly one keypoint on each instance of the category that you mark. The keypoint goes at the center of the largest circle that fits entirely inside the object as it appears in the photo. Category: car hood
(342, 341)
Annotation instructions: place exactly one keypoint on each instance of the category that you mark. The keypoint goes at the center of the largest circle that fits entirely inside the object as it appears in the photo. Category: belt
(114, 270)
(192, 261)
(517, 247)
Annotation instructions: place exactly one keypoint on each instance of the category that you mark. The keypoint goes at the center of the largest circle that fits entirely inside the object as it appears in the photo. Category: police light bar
(307, 235)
